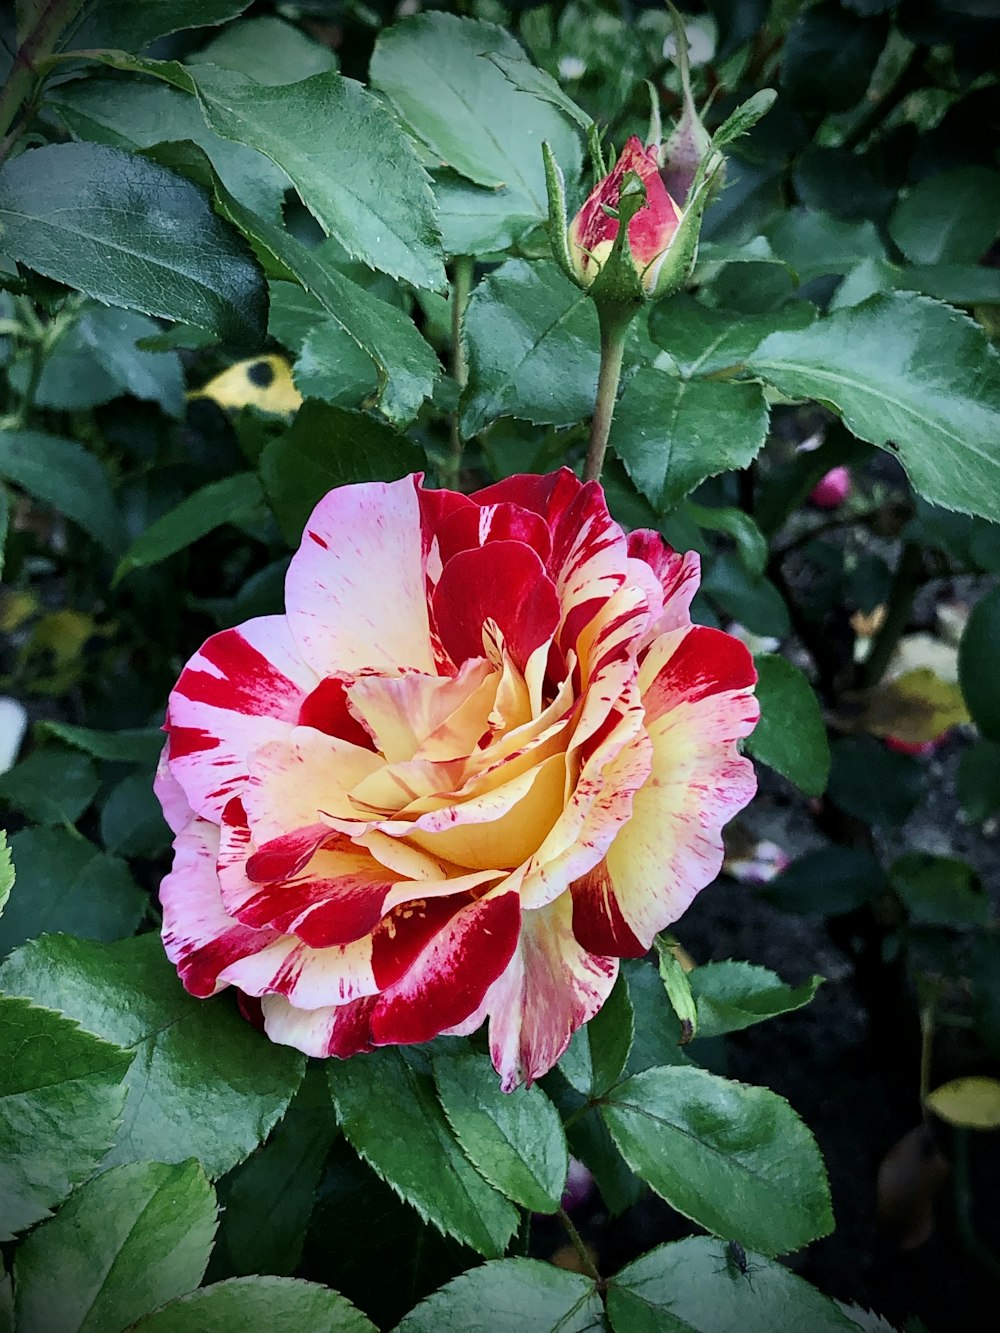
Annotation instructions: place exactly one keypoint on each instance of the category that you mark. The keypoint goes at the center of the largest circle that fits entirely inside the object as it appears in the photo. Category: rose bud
(831, 490)
(650, 231)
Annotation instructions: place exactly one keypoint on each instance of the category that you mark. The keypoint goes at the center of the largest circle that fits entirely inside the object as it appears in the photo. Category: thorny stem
(580, 1245)
(461, 287)
(23, 79)
(614, 322)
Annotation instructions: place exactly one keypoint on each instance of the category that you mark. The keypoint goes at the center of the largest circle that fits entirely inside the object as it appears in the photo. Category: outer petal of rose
(200, 938)
(676, 575)
(696, 688)
(475, 526)
(401, 712)
(243, 687)
(330, 1030)
(355, 592)
(169, 792)
(449, 980)
(547, 494)
(551, 986)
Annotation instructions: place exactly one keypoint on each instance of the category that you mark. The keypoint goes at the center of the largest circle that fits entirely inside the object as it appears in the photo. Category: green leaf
(790, 736)
(61, 1096)
(905, 370)
(231, 500)
(312, 131)
(598, 1052)
(277, 1303)
(751, 544)
(677, 985)
(135, 745)
(132, 822)
(737, 1160)
(439, 72)
(205, 1083)
(671, 434)
(478, 221)
(327, 447)
(748, 598)
(50, 786)
(515, 1140)
(979, 780)
(701, 340)
(331, 366)
(830, 881)
(130, 233)
(267, 50)
(814, 244)
(277, 1182)
(65, 883)
(4, 523)
(392, 1119)
(6, 870)
(696, 1286)
(128, 1241)
(732, 996)
(510, 1296)
(132, 27)
(939, 890)
(292, 315)
(657, 1028)
(951, 218)
(876, 785)
(744, 118)
(842, 45)
(533, 348)
(528, 78)
(62, 474)
(134, 113)
(978, 654)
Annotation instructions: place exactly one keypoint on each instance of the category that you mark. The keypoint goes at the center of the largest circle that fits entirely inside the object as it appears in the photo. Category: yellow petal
(264, 382)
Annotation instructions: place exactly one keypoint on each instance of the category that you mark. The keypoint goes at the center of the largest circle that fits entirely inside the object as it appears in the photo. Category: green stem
(580, 1245)
(461, 288)
(38, 44)
(905, 583)
(614, 322)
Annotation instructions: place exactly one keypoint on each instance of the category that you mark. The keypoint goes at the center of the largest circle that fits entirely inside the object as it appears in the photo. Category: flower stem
(614, 322)
(580, 1245)
(461, 287)
(38, 43)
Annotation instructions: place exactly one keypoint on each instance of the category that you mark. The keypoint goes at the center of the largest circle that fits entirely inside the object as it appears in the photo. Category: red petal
(475, 526)
(326, 709)
(285, 856)
(706, 661)
(598, 923)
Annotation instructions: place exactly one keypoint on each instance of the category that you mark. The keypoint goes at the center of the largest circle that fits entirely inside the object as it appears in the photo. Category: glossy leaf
(390, 1114)
(62, 474)
(700, 340)
(61, 1097)
(332, 367)
(677, 985)
(6, 870)
(598, 1052)
(50, 786)
(130, 233)
(950, 218)
(134, 1237)
(696, 1286)
(204, 1082)
(732, 995)
(132, 745)
(658, 1032)
(510, 1296)
(790, 736)
(977, 662)
(843, 46)
(230, 500)
(737, 1160)
(67, 884)
(671, 434)
(132, 822)
(515, 1140)
(132, 27)
(533, 348)
(267, 50)
(872, 783)
(327, 447)
(908, 372)
(279, 1304)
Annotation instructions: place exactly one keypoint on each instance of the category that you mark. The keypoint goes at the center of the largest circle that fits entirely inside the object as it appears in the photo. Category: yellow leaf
(916, 707)
(972, 1103)
(264, 382)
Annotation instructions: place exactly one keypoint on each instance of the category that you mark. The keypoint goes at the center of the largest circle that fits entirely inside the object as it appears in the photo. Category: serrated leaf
(50, 786)
(392, 1119)
(735, 1159)
(204, 1082)
(134, 1237)
(6, 870)
(533, 348)
(276, 1303)
(61, 1096)
(696, 1286)
(599, 1051)
(734, 995)
(971, 1103)
(266, 49)
(528, 78)
(130, 233)
(905, 370)
(658, 1034)
(132, 745)
(132, 27)
(61, 473)
(701, 340)
(671, 434)
(677, 984)
(230, 500)
(790, 736)
(67, 884)
(332, 367)
(510, 1296)
(515, 1140)
(950, 218)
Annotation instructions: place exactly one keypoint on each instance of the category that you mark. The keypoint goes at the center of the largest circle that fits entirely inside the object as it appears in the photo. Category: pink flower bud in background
(592, 232)
(832, 490)
(579, 1186)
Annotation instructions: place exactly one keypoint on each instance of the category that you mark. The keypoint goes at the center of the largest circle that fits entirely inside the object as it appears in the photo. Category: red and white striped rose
(483, 755)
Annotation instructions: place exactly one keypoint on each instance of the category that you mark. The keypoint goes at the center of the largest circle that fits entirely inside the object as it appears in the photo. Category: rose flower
(482, 756)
